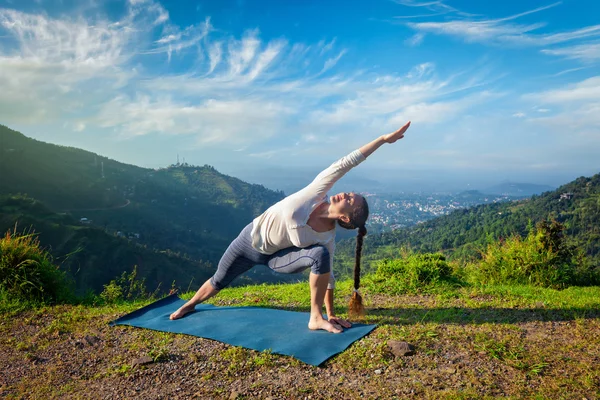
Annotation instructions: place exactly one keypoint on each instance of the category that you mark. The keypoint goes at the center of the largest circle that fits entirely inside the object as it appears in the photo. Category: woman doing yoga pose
(298, 233)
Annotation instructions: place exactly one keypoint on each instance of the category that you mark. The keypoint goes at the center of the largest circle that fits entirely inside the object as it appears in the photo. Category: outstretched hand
(397, 135)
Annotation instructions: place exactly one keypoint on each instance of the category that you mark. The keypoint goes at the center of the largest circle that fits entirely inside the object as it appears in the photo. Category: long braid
(356, 308)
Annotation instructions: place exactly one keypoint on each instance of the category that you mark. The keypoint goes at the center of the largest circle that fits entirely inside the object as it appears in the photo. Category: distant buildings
(566, 196)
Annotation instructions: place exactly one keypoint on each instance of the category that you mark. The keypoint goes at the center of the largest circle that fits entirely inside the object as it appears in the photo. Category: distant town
(399, 210)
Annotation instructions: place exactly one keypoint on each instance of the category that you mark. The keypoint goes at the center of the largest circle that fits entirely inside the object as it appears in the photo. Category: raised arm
(326, 179)
(370, 147)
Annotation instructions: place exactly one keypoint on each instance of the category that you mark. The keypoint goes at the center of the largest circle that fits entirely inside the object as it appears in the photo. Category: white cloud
(265, 58)
(436, 112)
(519, 115)
(325, 47)
(418, 71)
(179, 40)
(587, 90)
(438, 6)
(52, 61)
(415, 39)
(215, 53)
(212, 121)
(588, 52)
(242, 52)
(501, 31)
(576, 113)
(330, 63)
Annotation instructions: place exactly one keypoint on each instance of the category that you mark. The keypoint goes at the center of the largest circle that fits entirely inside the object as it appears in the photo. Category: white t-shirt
(284, 224)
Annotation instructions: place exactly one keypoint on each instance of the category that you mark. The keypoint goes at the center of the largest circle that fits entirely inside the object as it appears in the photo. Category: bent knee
(322, 260)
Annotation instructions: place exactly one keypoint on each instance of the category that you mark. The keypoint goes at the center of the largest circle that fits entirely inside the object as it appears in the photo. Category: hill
(189, 212)
(464, 232)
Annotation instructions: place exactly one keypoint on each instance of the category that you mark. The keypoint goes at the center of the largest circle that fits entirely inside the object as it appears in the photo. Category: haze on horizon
(268, 91)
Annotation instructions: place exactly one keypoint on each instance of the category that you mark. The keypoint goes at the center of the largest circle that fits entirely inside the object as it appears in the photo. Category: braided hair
(357, 220)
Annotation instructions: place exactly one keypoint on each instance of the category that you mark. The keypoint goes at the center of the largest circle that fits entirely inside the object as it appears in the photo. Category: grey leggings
(240, 257)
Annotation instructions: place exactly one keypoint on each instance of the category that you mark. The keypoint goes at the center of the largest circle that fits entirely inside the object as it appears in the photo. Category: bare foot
(316, 324)
(183, 310)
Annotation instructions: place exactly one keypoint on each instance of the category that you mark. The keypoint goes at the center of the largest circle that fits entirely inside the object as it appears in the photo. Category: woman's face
(345, 203)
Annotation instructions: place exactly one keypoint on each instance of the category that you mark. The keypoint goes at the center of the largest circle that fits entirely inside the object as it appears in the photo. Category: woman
(299, 233)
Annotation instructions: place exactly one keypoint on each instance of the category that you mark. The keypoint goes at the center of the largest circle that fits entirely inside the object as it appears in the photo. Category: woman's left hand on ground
(339, 321)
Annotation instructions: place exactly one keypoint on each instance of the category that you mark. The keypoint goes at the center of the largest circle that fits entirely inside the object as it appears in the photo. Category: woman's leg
(205, 292)
(239, 257)
(316, 257)
(318, 288)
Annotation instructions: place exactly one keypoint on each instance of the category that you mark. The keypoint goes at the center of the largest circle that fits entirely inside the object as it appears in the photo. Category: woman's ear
(345, 219)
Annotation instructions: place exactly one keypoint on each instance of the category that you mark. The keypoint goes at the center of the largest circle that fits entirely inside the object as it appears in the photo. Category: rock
(91, 340)
(142, 361)
(449, 370)
(377, 372)
(401, 349)
(234, 395)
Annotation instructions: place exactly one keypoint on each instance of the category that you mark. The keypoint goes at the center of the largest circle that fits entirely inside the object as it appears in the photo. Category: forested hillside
(463, 233)
(186, 211)
(92, 258)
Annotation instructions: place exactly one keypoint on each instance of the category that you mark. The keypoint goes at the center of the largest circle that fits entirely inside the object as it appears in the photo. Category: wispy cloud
(88, 70)
(587, 53)
(415, 39)
(331, 62)
(577, 112)
(502, 30)
(437, 7)
(567, 71)
(325, 47)
(584, 91)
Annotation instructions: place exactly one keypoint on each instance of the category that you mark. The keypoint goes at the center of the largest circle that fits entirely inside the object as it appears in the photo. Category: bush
(126, 287)
(413, 272)
(541, 259)
(27, 272)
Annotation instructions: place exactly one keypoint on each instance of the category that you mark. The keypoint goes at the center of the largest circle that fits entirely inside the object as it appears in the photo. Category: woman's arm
(369, 148)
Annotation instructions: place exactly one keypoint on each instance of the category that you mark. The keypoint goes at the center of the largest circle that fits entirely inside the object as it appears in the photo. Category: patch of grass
(413, 273)
(542, 258)
(501, 350)
(368, 354)
(124, 369)
(159, 346)
(264, 359)
(27, 272)
(538, 369)
(236, 358)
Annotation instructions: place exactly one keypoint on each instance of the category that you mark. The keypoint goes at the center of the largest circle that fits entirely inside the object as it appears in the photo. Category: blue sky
(267, 90)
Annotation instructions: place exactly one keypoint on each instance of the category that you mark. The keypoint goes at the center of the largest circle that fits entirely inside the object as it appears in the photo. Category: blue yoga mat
(283, 332)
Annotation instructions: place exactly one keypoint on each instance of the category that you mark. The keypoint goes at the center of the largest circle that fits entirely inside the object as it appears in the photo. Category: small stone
(234, 395)
(142, 361)
(91, 340)
(377, 372)
(401, 349)
(449, 370)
